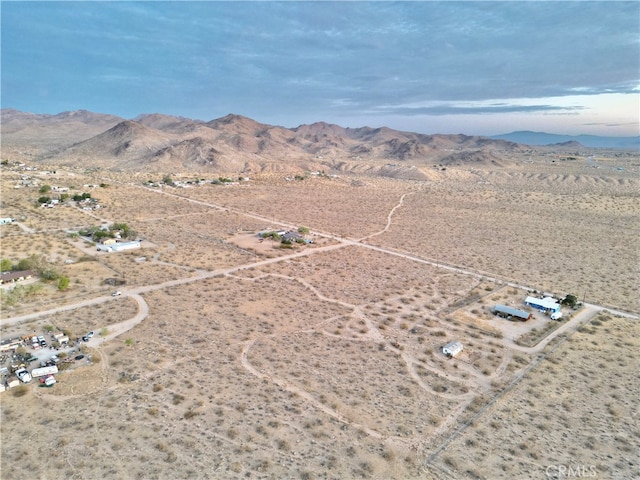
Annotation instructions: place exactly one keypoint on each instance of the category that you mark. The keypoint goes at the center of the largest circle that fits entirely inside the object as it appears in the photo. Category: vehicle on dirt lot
(116, 293)
(23, 375)
(90, 334)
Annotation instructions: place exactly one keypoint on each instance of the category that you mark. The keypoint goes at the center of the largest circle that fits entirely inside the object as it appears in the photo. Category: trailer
(43, 371)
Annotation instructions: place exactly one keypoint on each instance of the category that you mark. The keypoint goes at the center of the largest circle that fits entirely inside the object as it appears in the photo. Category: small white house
(452, 349)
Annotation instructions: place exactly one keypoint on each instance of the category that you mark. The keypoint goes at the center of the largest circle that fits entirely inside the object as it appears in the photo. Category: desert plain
(232, 356)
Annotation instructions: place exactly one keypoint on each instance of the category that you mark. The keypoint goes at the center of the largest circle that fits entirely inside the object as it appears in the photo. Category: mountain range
(592, 141)
(237, 144)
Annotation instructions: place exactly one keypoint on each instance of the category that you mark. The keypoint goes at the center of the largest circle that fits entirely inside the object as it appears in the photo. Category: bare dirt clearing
(551, 419)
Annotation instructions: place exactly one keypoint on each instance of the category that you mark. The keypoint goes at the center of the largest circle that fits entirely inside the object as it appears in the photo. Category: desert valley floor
(232, 356)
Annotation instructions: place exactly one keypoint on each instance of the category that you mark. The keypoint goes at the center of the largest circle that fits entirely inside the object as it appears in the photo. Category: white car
(116, 293)
(556, 315)
(23, 375)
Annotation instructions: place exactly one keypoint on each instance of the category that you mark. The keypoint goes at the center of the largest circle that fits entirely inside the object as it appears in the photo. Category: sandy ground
(227, 357)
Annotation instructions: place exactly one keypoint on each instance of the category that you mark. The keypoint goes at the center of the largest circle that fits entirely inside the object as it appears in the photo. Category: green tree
(5, 265)
(63, 283)
(570, 300)
(45, 189)
(44, 199)
(303, 230)
(49, 273)
(33, 262)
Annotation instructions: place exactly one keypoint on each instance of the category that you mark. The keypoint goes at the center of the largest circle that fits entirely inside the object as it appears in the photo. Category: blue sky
(433, 67)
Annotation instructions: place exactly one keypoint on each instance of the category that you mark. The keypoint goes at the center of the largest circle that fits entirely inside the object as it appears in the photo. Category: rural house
(452, 349)
(14, 277)
(547, 304)
(119, 246)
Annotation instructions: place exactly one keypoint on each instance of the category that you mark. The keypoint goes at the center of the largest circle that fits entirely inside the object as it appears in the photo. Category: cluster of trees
(63, 197)
(277, 237)
(19, 294)
(98, 234)
(38, 264)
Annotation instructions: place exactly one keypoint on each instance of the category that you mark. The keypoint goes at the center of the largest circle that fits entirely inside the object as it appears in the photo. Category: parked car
(90, 334)
(85, 339)
(116, 293)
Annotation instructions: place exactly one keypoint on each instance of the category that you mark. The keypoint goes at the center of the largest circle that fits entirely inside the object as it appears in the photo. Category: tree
(303, 230)
(30, 263)
(5, 265)
(44, 199)
(45, 189)
(49, 273)
(63, 283)
(570, 300)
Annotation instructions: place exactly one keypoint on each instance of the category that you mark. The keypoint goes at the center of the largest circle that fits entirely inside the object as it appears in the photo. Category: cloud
(318, 58)
(479, 110)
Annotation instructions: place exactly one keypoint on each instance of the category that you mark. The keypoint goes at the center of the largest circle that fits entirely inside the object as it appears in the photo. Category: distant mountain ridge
(235, 143)
(592, 141)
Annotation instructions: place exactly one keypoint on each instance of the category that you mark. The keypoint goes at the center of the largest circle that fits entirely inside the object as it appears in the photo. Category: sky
(478, 68)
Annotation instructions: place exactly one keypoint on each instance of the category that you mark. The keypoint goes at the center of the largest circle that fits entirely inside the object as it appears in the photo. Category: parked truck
(23, 375)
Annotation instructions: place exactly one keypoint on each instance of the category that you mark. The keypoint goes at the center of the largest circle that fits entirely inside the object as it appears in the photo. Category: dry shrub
(20, 391)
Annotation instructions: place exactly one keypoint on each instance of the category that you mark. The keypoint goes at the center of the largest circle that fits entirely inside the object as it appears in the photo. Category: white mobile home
(547, 304)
